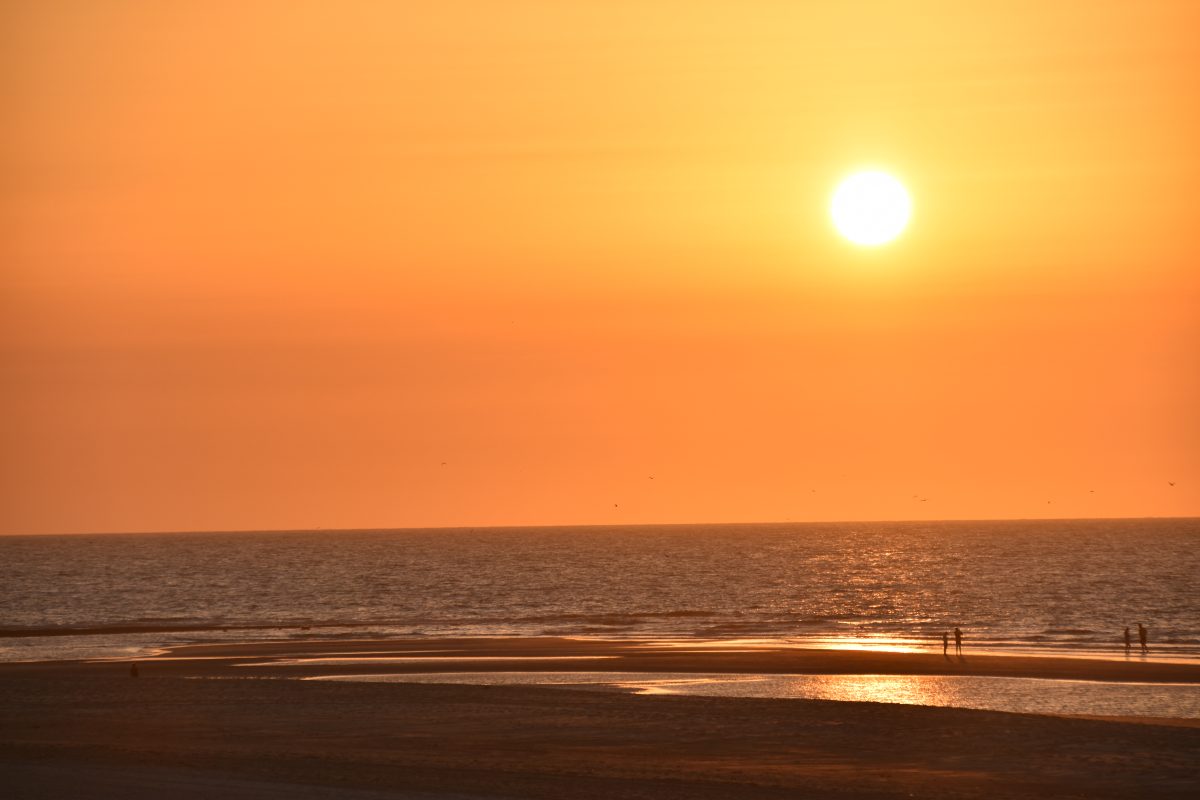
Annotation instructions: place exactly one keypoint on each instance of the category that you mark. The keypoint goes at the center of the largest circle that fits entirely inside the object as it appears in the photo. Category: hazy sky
(369, 264)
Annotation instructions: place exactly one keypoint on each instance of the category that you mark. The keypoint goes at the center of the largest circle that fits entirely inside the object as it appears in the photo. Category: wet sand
(88, 730)
(300, 657)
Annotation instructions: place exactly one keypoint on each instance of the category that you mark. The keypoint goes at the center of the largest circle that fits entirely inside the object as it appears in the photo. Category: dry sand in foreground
(87, 730)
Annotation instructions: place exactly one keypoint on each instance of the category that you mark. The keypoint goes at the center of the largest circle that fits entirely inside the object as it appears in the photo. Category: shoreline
(306, 657)
(133, 642)
(1164, 651)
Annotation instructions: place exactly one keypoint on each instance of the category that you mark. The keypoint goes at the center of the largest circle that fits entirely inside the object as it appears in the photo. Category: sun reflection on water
(877, 689)
(1024, 695)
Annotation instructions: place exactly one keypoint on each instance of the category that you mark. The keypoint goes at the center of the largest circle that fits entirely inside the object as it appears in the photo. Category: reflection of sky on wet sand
(879, 645)
(1024, 695)
(870, 688)
(904, 689)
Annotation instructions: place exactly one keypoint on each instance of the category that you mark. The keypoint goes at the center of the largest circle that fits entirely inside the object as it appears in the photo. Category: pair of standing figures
(957, 643)
(1142, 639)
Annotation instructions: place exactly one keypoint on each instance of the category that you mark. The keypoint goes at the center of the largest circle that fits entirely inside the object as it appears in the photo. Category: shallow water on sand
(1042, 586)
(1022, 695)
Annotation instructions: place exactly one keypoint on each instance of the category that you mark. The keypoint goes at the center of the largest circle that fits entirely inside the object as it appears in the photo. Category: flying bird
(1170, 483)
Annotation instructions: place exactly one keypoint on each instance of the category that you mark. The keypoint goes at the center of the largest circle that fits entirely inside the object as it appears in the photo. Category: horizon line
(586, 525)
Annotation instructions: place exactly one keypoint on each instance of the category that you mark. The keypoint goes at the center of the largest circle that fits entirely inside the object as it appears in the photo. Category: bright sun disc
(870, 208)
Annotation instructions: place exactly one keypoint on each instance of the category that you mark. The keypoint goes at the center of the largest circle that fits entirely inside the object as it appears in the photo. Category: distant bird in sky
(443, 463)
(1170, 483)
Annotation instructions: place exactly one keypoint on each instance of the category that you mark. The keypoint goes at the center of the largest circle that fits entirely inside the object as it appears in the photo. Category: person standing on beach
(957, 641)
(945, 644)
(133, 670)
(1128, 643)
(1142, 637)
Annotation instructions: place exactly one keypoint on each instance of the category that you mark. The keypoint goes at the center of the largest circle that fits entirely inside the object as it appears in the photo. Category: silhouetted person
(945, 644)
(957, 642)
(1142, 637)
(1128, 642)
(133, 670)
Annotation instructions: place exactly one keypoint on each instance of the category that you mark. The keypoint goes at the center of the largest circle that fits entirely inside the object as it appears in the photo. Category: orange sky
(269, 264)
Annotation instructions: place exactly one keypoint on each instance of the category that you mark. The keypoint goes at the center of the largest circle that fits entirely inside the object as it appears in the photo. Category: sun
(870, 208)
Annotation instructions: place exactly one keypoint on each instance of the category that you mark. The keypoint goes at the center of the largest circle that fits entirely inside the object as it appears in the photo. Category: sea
(1049, 587)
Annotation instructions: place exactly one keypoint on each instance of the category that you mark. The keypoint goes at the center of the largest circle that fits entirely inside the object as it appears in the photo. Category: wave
(126, 628)
(741, 628)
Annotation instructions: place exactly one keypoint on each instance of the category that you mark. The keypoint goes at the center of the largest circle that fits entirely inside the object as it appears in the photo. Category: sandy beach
(187, 729)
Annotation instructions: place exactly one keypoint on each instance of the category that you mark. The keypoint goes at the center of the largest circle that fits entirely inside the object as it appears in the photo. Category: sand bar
(290, 658)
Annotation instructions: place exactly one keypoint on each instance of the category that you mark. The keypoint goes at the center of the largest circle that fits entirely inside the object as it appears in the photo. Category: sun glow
(870, 208)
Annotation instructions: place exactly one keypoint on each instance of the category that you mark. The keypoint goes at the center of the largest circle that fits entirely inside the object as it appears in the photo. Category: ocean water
(1041, 586)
